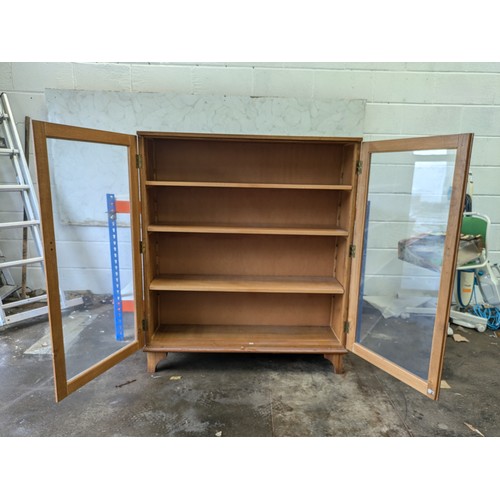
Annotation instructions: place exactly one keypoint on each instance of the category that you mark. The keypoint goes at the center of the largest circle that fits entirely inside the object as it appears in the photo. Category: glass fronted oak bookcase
(273, 244)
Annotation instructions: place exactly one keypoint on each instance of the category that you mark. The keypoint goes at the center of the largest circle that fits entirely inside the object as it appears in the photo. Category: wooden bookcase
(246, 243)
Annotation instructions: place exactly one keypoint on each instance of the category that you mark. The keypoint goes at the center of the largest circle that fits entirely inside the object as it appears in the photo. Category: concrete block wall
(403, 99)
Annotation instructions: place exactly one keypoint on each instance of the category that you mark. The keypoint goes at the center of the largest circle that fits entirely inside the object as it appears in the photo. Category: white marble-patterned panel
(129, 112)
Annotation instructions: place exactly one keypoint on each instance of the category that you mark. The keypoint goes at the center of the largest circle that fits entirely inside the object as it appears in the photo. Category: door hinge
(347, 326)
(142, 247)
(138, 161)
(145, 325)
(352, 251)
(359, 167)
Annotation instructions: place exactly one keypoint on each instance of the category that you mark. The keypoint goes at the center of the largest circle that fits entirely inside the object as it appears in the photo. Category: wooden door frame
(462, 143)
(41, 132)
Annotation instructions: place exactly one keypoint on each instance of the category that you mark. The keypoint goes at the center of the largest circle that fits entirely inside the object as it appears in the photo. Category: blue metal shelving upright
(115, 266)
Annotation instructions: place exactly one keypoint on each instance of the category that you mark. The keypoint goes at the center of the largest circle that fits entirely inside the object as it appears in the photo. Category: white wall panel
(102, 76)
(413, 119)
(6, 82)
(485, 151)
(154, 78)
(96, 255)
(494, 239)
(459, 88)
(96, 281)
(10, 201)
(283, 82)
(38, 76)
(223, 81)
(486, 179)
(481, 120)
(443, 67)
(343, 85)
(391, 285)
(401, 87)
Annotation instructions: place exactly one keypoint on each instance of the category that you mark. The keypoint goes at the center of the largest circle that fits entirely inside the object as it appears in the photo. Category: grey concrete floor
(248, 395)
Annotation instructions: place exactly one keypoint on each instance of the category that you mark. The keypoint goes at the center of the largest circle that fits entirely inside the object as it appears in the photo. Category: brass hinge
(145, 325)
(142, 247)
(359, 167)
(347, 326)
(138, 161)
(352, 251)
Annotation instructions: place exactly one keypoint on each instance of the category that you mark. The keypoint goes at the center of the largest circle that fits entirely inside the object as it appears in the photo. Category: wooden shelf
(253, 185)
(255, 284)
(238, 229)
(237, 338)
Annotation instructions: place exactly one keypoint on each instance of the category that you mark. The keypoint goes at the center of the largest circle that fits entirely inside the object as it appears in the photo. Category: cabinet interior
(247, 242)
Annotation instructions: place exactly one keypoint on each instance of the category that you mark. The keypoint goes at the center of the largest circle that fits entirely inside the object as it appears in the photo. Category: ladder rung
(21, 262)
(30, 313)
(8, 152)
(22, 223)
(14, 187)
(22, 302)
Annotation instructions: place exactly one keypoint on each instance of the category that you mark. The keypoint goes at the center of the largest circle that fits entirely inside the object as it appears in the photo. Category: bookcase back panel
(259, 255)
(220, 308)
(203, 160)
(281, 207)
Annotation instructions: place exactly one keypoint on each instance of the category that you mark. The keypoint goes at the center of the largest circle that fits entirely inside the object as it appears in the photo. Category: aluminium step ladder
(11, 150)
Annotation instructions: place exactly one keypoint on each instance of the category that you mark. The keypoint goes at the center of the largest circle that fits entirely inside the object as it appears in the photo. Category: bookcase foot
(337, 361)
(153, 358)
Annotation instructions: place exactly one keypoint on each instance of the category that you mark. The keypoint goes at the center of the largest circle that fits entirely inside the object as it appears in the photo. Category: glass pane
(407, 215)
(93, 248)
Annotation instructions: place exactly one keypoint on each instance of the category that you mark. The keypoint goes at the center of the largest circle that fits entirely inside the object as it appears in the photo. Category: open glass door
(91, 251)
(408, 215)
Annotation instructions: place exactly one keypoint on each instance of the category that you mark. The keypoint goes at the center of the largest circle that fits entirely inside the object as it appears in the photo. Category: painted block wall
(403, 99)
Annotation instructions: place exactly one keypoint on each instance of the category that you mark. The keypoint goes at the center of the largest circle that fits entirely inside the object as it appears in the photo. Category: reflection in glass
(82, 175)
(407, 216)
